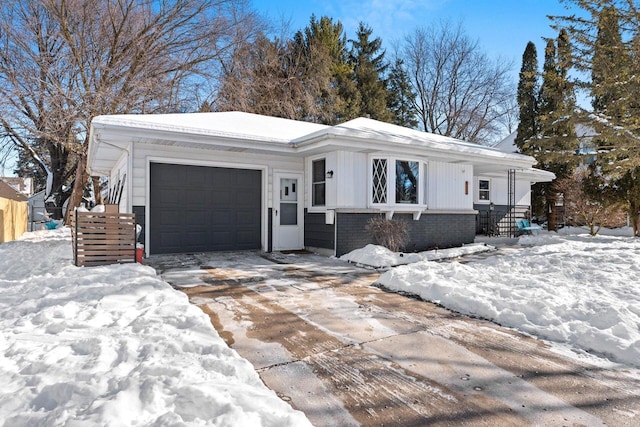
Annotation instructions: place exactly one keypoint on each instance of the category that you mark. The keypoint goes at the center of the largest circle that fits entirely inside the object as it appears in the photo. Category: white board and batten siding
(449, 186)
(146, 153)
(351, 180)
(499, 191)
(347, 187)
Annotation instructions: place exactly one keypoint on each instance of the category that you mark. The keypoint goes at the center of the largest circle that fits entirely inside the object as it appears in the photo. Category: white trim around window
(309, 180)
(482, 193)
(382, 183)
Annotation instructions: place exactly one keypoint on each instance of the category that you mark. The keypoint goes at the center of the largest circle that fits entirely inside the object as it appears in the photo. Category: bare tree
(582, 207)
(460, 91)
(63, 62)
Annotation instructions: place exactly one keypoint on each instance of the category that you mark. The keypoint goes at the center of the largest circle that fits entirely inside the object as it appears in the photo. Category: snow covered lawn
(381, 257)
(115, 346)
(580, 290)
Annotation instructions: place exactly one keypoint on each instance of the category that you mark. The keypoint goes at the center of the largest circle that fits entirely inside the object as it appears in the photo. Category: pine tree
(554, 146)
(369, 67)
(610, 66)
(527, 96)
(401, 96)
(323, 46)
(615, 79)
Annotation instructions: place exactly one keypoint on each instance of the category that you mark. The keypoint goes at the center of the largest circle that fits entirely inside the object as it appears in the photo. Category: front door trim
(288, 237)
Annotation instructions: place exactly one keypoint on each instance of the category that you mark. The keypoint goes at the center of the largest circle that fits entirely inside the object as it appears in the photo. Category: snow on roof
(233, 124)
(364, 128)
(276, 134)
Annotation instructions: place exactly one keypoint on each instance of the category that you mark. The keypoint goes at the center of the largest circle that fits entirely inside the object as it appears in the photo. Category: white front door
(288, 222)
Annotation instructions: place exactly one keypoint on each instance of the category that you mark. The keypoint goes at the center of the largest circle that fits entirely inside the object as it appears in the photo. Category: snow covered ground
(115, 346)
(575, 289)
(381, 257)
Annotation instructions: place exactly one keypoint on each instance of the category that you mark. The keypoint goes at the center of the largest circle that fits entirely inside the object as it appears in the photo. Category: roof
(508, 144)
(397, 136)
(231, 124)
(8, 192)
(20, 184)
(246, 132)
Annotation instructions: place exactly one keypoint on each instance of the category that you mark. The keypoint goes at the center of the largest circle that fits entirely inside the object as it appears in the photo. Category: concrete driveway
(346, 353)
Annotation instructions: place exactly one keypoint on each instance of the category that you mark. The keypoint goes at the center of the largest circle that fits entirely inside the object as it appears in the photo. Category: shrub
(390, 233)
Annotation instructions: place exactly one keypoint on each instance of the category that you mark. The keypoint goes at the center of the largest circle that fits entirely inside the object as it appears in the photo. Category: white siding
(446, 184)
(500, 191)
(351, 180)
(167, 154)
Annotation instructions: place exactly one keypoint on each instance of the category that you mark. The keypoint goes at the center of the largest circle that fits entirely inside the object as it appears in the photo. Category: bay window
(407, 181)
(397, 182)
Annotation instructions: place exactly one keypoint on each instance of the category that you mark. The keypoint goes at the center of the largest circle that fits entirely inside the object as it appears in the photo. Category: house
(13, 213)
(21, 185)
(228, 181)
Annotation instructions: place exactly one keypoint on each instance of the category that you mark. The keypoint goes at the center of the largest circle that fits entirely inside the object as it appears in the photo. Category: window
(407, 179)
(379, 182)
(397, 182)
(318, 182)
(484, 188)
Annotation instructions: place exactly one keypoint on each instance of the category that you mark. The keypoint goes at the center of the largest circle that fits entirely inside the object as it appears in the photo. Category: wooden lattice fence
(102, 238)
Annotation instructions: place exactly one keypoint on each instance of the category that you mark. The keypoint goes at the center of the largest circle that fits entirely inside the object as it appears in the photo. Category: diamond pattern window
(379, 181)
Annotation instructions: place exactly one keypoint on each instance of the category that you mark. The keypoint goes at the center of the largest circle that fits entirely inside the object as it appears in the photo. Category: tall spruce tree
(613, 64)
(369, 67)
(555, 145)
(528, 96)
(401, 96)
(610, 66)
(327, 40)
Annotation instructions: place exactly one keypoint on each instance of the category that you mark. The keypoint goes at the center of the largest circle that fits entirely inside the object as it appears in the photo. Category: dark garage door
(199, 209)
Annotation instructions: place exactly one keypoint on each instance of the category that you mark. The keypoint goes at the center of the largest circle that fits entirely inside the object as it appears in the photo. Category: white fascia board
(478, 155)
(535, 175)
(194, 140)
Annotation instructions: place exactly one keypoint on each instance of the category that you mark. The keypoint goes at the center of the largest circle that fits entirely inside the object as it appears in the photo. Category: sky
(502, 27)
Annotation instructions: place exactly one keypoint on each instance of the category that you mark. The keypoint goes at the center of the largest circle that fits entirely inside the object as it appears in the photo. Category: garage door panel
(246, 237)
(222, 198)
(197, 209)
(196, 217)
(245, 218)
(169, 217)
(171, 196)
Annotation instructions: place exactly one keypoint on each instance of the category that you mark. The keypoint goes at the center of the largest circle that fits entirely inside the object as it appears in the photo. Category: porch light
(329, 174)
(491, 206)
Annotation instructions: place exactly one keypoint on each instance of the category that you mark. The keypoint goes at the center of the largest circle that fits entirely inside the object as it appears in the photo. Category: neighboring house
(228, 181)
(13, 213)
(21, 185)
(38, 214)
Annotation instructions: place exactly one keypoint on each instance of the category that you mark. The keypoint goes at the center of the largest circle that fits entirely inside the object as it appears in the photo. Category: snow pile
(379, 256)
(577, 289)
(115, 346)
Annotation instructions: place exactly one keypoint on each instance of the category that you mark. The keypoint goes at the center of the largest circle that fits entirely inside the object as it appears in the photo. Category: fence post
(75, 238)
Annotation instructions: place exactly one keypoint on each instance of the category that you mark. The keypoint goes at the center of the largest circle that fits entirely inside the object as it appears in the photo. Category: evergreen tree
(369, 67)
(401, 96)
(323, 46)
(527, 96)
(614, 69)
(610, 66)
(555, 145)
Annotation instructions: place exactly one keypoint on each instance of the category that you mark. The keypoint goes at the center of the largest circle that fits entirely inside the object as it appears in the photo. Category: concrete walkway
(348, 353)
